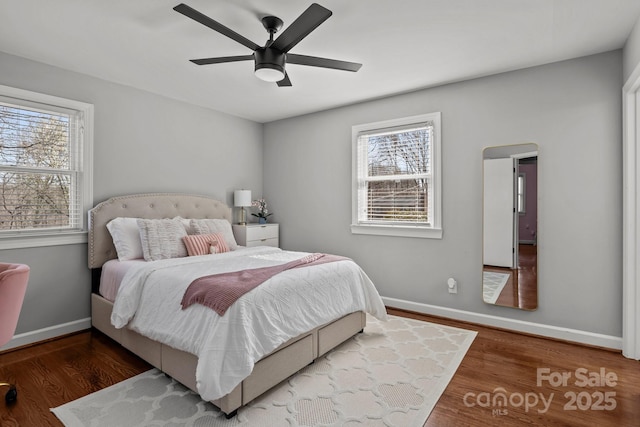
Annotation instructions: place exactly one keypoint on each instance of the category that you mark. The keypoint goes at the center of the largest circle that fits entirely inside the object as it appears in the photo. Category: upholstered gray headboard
(151, 206)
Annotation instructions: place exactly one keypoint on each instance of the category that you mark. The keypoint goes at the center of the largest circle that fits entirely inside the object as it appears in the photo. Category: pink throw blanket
(220, 291)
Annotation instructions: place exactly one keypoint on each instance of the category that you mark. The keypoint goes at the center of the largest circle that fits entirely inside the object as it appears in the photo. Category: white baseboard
(567, 334)
(575, 335)
(47, 333)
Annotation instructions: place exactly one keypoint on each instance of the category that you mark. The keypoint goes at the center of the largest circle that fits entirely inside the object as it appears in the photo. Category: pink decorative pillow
(203, 244)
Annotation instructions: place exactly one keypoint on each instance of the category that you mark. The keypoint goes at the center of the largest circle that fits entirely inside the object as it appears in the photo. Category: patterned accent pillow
(203, 244)
(162, 238)
(210, 226)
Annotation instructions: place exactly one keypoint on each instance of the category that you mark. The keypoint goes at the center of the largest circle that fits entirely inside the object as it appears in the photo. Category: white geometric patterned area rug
(391, 375)
(492, 285)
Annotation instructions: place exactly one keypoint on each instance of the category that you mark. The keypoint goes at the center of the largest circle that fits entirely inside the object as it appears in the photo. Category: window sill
(39, 240)
(398, 231)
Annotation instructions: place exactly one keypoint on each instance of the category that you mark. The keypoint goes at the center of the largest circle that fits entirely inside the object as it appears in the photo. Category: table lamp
(242, 199)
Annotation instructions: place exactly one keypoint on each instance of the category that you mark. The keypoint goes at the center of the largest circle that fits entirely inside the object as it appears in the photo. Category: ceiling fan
(270, 60)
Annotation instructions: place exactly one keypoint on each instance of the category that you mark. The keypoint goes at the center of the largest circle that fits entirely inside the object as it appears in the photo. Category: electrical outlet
(452, 285)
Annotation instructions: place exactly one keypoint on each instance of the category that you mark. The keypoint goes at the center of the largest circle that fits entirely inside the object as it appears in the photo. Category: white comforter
(228, 346)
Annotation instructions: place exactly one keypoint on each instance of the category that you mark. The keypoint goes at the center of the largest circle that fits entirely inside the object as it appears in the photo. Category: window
(396, 177)
(521, 194)
(45, 169)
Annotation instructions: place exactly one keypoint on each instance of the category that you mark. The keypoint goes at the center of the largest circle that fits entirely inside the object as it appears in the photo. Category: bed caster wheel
(11, 395)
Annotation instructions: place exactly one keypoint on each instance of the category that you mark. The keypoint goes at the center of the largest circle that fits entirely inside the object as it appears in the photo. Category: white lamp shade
(242, 198)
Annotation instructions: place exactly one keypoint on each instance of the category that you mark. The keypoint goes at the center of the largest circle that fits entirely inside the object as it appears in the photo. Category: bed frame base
(272, 369)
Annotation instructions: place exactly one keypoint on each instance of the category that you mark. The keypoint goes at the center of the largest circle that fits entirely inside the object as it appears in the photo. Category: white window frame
(429, 231)
(38, 238)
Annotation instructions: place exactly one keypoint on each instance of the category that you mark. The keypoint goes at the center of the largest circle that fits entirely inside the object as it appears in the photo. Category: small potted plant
(263, 212)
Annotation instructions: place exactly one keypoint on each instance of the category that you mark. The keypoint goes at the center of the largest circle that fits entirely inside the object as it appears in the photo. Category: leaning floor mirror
(510, 226)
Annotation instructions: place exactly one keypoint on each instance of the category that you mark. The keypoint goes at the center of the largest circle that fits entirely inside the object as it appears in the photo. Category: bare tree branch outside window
(36, 176)
(398, 176)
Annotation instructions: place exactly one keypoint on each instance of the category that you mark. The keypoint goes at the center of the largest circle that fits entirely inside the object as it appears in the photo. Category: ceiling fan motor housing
(266, 57)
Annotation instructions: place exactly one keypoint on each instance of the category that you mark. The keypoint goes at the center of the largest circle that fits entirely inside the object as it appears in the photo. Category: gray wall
(631, 51)
(571, 109)
(143, 143)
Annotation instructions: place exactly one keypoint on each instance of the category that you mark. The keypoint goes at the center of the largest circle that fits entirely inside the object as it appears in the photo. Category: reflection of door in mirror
(510, 226)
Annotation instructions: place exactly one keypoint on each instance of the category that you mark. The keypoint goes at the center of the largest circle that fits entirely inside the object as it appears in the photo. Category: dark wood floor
(521, 290)
(65, 369)
(59, 371)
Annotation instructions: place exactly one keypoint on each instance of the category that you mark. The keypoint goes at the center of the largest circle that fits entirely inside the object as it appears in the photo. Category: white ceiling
(403, 45)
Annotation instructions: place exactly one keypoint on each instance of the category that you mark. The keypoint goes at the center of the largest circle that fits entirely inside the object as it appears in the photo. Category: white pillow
(126, 238)
(210, 226)
(162, 238)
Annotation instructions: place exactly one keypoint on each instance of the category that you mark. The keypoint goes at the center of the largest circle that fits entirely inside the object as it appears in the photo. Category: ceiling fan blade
(285, 82)
(314, 61)
(221, 59)
(301, 27)
(214, 25)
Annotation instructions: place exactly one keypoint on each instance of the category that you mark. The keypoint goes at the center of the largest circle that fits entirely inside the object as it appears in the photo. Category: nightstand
(257, 234)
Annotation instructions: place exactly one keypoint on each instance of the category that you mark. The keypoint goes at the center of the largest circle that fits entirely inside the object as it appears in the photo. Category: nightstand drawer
(263, 242)
(262, 231)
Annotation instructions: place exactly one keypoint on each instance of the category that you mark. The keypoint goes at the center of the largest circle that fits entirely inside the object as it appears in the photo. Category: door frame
(630, 212)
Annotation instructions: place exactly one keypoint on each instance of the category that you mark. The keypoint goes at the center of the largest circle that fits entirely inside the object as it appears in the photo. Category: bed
(265, 342)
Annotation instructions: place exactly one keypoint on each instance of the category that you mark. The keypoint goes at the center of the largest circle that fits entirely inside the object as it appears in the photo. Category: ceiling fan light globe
(269, 73)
